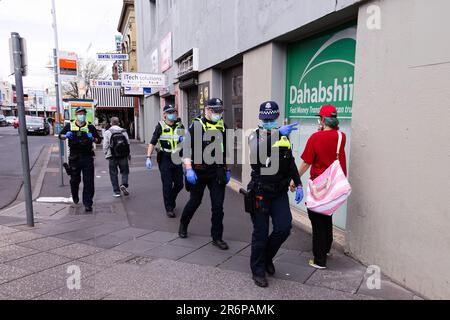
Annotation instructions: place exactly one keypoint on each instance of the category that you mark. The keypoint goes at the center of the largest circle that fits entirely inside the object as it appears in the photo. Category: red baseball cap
(328, 111)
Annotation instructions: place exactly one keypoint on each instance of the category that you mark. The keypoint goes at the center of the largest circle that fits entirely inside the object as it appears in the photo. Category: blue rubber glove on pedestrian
(191, 176)
(285, 131)
(228, 176)
(90, 136)
(181, 139)
(299, 195)
(69, 135)
(149, 164)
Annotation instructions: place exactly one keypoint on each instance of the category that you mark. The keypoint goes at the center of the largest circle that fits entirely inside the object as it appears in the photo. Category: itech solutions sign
(321, 71)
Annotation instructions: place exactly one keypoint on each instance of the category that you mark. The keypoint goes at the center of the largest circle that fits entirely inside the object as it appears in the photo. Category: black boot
(270, 268)
(260, 281)
(182, 232)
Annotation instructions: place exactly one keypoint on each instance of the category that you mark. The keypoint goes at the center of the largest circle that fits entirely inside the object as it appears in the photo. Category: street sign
(143, 80)
(113, 57)
(68, 64)
(23, 55)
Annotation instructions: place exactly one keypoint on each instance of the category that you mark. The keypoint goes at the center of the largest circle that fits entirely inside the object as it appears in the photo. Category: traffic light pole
(18, 69)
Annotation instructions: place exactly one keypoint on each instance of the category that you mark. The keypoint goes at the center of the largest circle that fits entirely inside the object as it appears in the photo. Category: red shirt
(320, 152)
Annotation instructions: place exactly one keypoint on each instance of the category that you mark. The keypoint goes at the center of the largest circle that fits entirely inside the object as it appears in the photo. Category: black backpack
(120, 148)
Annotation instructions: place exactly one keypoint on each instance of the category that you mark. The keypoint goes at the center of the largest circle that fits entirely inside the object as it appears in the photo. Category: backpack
(120, 148)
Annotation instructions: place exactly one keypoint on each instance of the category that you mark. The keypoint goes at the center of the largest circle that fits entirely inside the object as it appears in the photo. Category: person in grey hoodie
(116, 146)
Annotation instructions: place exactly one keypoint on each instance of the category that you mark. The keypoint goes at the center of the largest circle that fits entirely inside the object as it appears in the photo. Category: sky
(86, 27)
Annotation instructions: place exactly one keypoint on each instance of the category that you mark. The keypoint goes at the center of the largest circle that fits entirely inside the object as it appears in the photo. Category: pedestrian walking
(81, 136)
(209, 170)
(270, 190)
(319, 154)
(166, 140)
(116, 146)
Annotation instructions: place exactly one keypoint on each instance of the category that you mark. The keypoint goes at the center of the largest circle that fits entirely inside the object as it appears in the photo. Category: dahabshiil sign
(320, 71)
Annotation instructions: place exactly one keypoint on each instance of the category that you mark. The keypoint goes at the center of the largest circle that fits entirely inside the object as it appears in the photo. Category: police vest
(170, 137)
(80, 133)
(284, 147)
(276, 183)
(219, 126)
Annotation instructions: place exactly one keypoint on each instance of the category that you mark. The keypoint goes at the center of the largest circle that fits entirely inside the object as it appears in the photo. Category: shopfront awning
(110, 99)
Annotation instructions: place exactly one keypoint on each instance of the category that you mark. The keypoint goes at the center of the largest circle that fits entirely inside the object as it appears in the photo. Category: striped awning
(110, 98)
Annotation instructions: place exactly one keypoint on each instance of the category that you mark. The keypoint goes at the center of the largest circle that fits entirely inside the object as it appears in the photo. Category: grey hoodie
(107, 139)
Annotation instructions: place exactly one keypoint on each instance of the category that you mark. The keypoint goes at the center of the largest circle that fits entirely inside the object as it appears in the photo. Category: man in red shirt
(319, 154)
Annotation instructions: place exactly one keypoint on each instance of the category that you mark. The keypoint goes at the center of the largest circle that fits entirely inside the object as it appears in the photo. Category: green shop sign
(320, 71)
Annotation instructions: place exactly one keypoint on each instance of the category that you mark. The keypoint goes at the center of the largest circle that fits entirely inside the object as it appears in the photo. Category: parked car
(10, 120)
(37, 125)
(3, 122)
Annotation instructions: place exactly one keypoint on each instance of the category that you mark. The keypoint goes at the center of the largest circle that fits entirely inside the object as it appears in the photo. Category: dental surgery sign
(321, 71)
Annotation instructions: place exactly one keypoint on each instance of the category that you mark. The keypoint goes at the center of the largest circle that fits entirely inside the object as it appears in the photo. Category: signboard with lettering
(113, 57)
(106, 83)
(136, 91)
(321, 71)
(143, 80)
(166, 52)
(68, 64)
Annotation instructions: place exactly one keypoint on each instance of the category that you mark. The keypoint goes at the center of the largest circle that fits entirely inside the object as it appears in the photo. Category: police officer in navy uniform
(166, 139)
(213, 174)
(81, 136)
(273, 169)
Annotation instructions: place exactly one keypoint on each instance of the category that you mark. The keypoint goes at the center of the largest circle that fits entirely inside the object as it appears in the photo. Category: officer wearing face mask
(207, 169)
(81, 136)
(273, 168)
(166, 139)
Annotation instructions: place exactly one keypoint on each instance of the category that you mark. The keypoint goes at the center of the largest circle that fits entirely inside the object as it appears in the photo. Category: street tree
(88, 69)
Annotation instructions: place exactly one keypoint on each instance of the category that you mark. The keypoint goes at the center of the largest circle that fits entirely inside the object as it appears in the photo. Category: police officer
(208, 171)
(166, 139)
(273, 168)
(81, 136)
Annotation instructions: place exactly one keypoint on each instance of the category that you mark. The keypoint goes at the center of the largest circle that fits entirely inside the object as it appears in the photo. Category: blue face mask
(270, 125)
(216, 117)
(81, 117)
(172, 117)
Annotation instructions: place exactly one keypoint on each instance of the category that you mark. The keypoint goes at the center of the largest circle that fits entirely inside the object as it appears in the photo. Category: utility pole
(18, 57)
(36, 103)
(58, 93)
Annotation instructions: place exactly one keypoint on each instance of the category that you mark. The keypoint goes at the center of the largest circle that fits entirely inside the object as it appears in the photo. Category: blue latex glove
(299, 195)
(285, 131)
(90, 136)
(191, 176)
(149, 164)
(69, 135)
(181, 139)
(228, 176)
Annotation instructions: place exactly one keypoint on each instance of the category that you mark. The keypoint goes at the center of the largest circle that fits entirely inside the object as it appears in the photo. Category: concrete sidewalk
(129, 249)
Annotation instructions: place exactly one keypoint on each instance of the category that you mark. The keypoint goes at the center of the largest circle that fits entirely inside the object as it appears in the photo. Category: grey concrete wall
(221, 29)
(399, 212)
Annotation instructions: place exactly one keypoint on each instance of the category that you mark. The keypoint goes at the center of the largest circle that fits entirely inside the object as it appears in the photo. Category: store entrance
(233, 100)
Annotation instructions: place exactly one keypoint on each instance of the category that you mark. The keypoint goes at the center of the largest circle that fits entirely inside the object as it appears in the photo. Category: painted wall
(399, 216)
